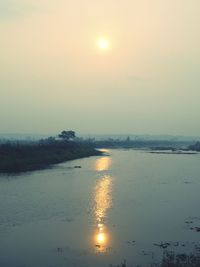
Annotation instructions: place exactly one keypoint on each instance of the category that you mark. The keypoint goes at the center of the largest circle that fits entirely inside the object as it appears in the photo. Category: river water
(118, 206)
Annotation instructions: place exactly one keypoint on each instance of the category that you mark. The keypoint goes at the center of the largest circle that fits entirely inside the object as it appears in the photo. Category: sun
(103, 44)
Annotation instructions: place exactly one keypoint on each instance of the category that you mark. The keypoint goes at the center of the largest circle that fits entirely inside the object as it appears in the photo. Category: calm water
(113, 208)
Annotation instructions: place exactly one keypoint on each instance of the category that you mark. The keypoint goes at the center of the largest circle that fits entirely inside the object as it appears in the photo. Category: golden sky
(53, 75)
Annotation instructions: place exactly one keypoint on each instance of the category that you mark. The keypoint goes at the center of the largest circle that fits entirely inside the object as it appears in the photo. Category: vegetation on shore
(140, 144)
(171, 259)
(175, 146)
(17, 157)
(195, 147)
(28, 156)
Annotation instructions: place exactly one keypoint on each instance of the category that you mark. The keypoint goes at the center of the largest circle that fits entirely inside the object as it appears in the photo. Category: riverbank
(15, 158)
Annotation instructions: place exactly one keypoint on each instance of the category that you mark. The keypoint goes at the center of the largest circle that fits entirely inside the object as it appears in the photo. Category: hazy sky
(53, 76)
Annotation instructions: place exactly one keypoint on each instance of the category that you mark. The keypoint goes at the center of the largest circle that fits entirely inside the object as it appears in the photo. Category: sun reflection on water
(101, 239)
(102, 202)
(102, 198)
(103, 164)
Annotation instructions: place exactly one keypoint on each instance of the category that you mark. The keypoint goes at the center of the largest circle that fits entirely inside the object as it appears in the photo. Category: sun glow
(101, 238)
(103, 43)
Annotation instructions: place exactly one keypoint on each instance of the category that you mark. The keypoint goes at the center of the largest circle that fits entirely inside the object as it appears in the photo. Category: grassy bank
(170, 259)
(27, 157)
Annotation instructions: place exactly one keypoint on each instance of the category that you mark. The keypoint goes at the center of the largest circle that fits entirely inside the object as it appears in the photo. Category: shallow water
(113, 208)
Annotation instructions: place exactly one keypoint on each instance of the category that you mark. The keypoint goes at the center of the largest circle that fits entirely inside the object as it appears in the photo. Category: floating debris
(162, 245)
(131, 242)
(188, 222)
(59, 250)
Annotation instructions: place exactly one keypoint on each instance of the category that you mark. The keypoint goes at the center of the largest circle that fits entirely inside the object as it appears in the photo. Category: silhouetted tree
(67, 135)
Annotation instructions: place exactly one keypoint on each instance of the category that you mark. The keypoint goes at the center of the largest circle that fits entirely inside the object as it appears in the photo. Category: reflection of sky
(102, 202)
